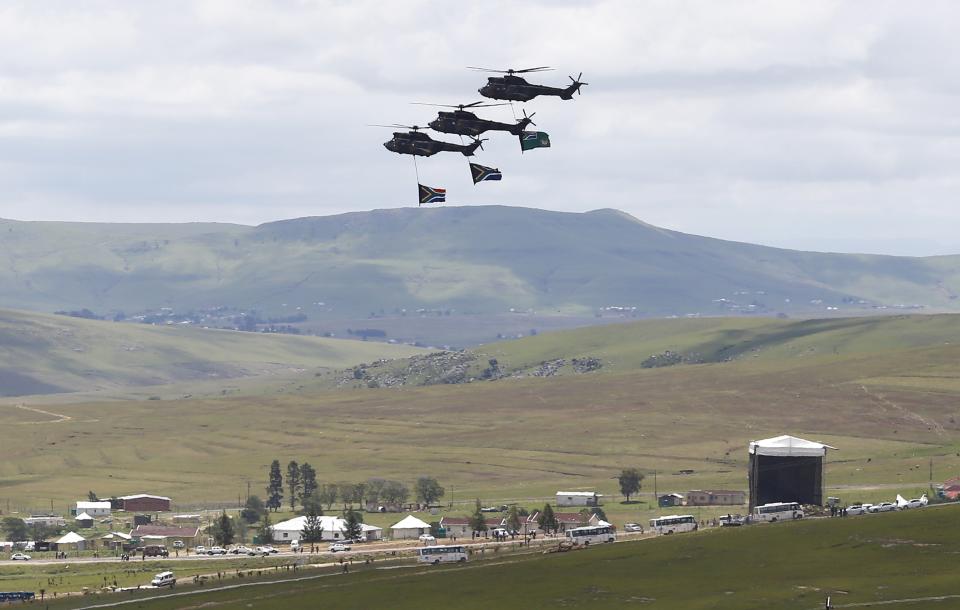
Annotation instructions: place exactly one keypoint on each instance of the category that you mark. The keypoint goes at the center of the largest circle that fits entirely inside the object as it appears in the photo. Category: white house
(333, 529)
(409, 527)
(94, 509)
(578, 498)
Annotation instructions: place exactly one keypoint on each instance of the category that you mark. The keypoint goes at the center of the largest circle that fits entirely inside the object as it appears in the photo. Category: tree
(312, 504)
(253, 510)
(395, 492)
(353, 528)
(361, 493)
(630, 479)
(428, 490)
(92, 497)
(275, 488)
(293, 482)
(547, 520)
(348, 494)
(16, 529)
(222, 530)
(513, 519)
(312, 529)
(375, 490)
(308, 478)
(599, 512)
(478, 521)
(265, 530)
(328, 494)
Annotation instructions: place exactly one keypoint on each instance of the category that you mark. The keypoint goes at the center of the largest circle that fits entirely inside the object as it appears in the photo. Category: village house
(716, 497)
(578, 498)
(188, 535)
(668, 500)
(94, 509)
(144, 503)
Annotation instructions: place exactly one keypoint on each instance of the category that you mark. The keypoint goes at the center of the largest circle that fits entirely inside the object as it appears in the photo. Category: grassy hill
(887, 396)
(46, 354)
(479, 260)
(898, 560)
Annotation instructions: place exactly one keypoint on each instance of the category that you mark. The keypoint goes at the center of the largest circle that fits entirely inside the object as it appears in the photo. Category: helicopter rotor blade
(460, 106)
(511, 70)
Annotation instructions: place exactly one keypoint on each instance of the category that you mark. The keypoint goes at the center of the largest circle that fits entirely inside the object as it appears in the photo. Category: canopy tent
(409, 527)
(333, 528)
(789, 446)
(73, 538)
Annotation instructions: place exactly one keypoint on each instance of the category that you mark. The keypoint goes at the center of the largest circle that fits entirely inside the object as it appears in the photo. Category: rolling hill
(479, 260)
(48, 354)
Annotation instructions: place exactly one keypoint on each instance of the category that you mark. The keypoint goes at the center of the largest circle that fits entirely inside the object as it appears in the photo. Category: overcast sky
(821, 125)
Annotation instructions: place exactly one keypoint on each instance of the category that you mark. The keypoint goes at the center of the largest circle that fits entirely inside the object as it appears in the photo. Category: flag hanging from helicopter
(481, 173)
(428, 194)
(534, 139)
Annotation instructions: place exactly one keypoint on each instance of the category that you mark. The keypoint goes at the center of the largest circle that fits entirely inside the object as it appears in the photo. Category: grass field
(858, 561)
(889, 410)
(44, 354)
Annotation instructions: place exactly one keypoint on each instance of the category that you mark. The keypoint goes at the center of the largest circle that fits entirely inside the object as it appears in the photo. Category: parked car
(883, 507)
(270, 549)
(216, 550)
(260, 550)
(491, 509)
(20, 557)
(178, 544)
(427, 539)
(337, 547)
(916, 503)
(632, 527)
(164, 579)
(858, 509)
(242, 550)
(732, 521)
(200, 549)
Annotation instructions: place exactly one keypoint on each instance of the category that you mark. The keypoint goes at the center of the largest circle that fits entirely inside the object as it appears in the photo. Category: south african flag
(428, 194)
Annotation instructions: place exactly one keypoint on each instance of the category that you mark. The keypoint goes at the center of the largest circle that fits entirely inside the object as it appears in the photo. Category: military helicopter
(464, 123)
(515, 89)
(420, 144)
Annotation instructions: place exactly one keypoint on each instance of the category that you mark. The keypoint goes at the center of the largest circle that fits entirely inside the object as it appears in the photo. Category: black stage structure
(786, 469)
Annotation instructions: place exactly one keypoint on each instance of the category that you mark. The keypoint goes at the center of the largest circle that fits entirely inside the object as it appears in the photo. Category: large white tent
(409, 527)
(72, 538)
(788, 446)
(333, 529)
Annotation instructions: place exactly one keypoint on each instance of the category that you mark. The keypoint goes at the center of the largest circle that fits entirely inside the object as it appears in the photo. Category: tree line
(301, 487)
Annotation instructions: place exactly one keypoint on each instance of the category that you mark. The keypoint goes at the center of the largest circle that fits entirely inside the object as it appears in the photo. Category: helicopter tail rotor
(574, 87)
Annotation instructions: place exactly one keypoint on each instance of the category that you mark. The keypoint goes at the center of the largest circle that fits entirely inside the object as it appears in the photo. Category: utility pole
(656, 495)
(931, 469)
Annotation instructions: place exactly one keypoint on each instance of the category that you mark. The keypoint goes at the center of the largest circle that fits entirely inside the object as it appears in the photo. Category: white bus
(674, 524)
(436, 554)
(591, 534)
(778, 511)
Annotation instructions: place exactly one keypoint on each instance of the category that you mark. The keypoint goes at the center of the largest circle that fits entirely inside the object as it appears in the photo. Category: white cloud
(798, 124)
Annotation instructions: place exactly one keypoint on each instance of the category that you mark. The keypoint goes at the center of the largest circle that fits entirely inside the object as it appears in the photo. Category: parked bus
(436, 554)
(778, 511)
(591, 534)
(674, 524)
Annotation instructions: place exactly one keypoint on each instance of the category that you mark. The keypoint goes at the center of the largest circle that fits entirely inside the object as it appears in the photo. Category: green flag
(534, 139)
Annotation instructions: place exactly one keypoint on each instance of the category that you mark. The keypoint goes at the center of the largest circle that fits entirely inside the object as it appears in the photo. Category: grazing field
(886, 560)
(889, 410)
(46, 354)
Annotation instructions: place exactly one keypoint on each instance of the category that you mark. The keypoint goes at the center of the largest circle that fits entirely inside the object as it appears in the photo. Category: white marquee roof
(789, 446)
(588, 494)
(82, 505)
(409, 522)
(84, 517)
(71, 538)
(327, 522)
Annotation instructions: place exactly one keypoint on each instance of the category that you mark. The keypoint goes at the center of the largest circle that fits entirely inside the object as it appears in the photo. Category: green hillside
(470, 260)
(900, 560)
(45, 354)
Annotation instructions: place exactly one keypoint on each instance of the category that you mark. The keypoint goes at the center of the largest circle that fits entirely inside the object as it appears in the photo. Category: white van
(295, 546)
(164, 579)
